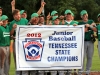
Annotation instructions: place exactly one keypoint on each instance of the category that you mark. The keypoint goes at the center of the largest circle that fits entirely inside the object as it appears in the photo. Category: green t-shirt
(71, 23)
(22, 21)
(98, 31)
(4, 36)
(90, 32)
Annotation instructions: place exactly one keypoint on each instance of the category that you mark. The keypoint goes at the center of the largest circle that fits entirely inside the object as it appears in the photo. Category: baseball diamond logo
(33, 49)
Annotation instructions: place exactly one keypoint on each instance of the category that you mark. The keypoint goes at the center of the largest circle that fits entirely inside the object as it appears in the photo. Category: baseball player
(98, 33)
(35, 21)
(4, 46)
(56, 21)
(17, 21)
(88, 41)
(69, 18)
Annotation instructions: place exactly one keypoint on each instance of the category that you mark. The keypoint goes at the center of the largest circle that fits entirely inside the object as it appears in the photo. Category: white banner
(49, 47)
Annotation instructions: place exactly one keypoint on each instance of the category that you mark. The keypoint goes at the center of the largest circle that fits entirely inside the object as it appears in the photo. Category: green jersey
(98, 31)
(90, 32)
(4, 36)
(71, 23)
(22, 21)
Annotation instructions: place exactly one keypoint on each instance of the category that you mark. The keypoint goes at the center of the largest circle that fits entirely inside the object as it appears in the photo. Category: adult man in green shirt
(88, 41)
(17, 21)
(4, 46)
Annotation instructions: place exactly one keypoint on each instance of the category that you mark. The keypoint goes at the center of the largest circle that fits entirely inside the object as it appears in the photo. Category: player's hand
(86, 29)
(43, 4)
(87, 25)
(14, 26)
(93, 24)
(63, 22)
(61, 17)
(50, 23)
(74, 24)
(48, 17)
(13, 3)
(40, 24)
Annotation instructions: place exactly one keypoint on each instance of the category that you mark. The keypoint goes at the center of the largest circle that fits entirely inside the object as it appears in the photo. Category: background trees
(92, 7)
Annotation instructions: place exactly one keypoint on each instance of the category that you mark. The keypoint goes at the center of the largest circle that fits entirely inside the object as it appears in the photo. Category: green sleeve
(0, 33)
(76, 22)
(10, 26)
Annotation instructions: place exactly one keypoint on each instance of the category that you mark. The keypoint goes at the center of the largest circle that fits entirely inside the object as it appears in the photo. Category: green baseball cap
(55, 17)
(53, 13)
(0, 7)
(83, 12)
(68, 11)
(4, 17)
(34, 15)
(22, 11)
(98, 15)
(72, 14)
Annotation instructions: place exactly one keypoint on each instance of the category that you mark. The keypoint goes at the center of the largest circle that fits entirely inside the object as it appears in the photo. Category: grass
(12, 66)
(95, 61)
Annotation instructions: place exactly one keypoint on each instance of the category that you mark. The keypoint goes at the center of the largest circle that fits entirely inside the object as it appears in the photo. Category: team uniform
(98, 33)
(22, 21)
(98, 36)
(88, 46)
(71, 22)
(4, 50)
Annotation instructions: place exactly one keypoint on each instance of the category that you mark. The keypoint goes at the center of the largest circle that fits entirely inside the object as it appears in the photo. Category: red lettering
(39, 34)
(34, 35)
(28, 35)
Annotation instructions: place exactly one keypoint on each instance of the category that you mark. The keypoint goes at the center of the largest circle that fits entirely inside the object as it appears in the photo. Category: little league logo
(33, 49)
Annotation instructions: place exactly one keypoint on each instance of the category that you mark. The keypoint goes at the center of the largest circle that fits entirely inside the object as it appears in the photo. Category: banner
(56, 47)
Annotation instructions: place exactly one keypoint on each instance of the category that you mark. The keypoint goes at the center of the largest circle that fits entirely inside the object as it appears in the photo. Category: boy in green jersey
(69, 18)
(17, 21)
(88, 41)
(98, 33)
(4, 46)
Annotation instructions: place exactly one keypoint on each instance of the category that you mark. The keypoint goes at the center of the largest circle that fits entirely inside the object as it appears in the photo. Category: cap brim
(57, 18)
(1, 8)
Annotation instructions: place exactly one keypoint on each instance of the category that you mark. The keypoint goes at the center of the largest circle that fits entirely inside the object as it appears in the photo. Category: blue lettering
(56, 52)
(62, 58)
(50, 38)
(48, 59)
(62, 52)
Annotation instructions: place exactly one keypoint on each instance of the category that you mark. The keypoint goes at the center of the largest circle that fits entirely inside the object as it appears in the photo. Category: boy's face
(68, 16)
(5, 22)
(41, 19)
(56, 22)
(84, 17)
(35, 20)
(24, 15)
(17, 16)
(0, 12)
(98, 19)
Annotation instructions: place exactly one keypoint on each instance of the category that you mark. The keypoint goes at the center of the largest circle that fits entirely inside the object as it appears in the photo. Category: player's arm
(13, 5)
(13, 29)
(48, 19)
(92, 27)
(41, 8)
